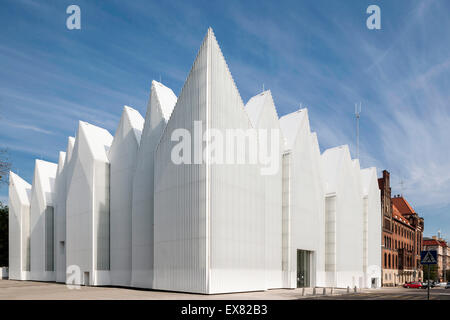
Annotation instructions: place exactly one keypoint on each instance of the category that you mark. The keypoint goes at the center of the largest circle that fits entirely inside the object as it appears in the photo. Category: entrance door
(303, 268)
(86, 279)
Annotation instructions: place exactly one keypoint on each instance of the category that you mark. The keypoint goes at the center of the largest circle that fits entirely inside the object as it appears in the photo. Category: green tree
(4, 211)
(433, 272)
(5, 166)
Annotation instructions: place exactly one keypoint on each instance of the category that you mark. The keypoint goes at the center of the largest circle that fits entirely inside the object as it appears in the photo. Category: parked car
(441, 284)
(425, 284)
(414, 284)
(447, 286)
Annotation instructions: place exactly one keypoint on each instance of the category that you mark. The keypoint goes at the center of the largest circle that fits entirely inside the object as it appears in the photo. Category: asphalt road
(393, 294)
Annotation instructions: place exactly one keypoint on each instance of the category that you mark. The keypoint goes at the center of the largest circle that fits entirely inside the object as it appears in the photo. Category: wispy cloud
(315, 53)
(26, 127)
(403, 87)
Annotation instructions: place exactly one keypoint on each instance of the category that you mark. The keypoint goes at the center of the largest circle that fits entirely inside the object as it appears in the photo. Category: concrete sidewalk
(33, 290)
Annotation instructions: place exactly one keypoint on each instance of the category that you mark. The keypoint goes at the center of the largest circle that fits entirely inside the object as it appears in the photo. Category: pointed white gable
(315, 140)
(255, 107)
(21, 187)
(130, 121)
(367, 177)
(166, 99)
(70, 146)
(356, 164)
(135, 121)
(332, 160)
(98, 140)
(61, 162)
(45, 174)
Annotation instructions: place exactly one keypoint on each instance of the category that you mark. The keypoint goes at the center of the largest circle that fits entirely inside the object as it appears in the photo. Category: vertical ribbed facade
(286, 222)
(123, 157)
(342, 181)
(203, 241)
(372, 226)
(87, 220)
(263, 116)
(330, 240)
(235, 210)
(78, 208)
(49, 239)
(181, 253)
(101, 228)
(159, 109)
(60, 217)
(42, 231)
(19, 228)
(305, 205)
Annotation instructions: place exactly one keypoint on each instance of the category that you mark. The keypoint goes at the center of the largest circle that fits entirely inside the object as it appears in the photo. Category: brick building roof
(434, 242)
(401, 209)
(402, 206)
(396, 210)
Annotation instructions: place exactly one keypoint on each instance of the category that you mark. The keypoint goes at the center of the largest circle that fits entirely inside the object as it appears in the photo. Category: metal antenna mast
(357, 115)
(402, 185)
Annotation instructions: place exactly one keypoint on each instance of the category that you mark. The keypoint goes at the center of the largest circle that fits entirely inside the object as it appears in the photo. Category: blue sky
(317, 54)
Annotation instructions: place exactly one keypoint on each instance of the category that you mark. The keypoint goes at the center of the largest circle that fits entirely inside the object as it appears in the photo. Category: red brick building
(402, 234)
(443, 253)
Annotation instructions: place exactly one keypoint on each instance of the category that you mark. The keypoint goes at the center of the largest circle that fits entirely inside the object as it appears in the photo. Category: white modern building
(59, 210)
(160, 106)
(371, 230)
(303, 204)
(263, 115)
(19, 227)
(87, 205)
(123, 157)
(61, 181)
(209, 221)
(164, 205)
(42, 262)
(343, 219)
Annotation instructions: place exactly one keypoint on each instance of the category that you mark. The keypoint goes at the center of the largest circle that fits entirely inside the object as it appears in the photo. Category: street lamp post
(428, 289)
